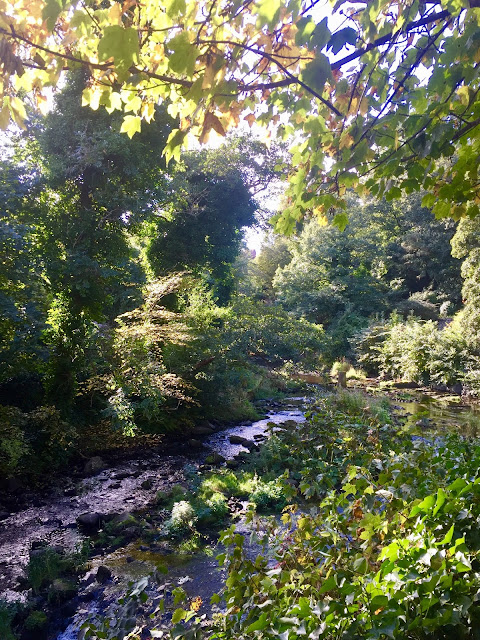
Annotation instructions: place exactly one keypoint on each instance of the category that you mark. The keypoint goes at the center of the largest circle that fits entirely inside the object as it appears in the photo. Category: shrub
(182, 520)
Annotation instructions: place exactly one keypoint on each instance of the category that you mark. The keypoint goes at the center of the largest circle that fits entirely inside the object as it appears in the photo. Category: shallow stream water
(115, 490)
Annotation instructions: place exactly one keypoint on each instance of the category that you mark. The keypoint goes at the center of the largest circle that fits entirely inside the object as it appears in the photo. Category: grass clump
(48, 565)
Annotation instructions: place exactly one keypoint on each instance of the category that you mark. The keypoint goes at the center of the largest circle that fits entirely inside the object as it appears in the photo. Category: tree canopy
(380, 96)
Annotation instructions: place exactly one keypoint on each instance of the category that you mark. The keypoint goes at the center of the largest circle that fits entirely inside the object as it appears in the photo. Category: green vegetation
(379, 537)
(133, 313)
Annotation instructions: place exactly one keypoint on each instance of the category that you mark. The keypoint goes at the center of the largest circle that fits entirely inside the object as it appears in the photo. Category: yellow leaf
(131, 125)
(115, 14)
(346, 141)
(4, 117)
(464, 95)
(208, 77)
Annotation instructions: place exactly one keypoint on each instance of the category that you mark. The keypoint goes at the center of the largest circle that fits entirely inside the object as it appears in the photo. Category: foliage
(48, 564)
(416, 351)
(7, 613)
(404, 115)
(385, 543)
(35, 442)
(390, 256)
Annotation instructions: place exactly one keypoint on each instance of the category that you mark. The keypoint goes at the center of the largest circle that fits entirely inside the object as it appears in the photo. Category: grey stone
(103, 574)
(94, 466)
(61, 590)
(214, 458)
(89, 522)
(202, 430)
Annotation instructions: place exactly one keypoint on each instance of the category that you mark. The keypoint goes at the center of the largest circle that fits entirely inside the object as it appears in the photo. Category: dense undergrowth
(379, 538)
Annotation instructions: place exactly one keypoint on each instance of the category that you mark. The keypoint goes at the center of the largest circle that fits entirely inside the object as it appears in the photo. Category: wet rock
(123, 520)
(236, 439)
(94, 466)
(203, 430)
(424, 423)
(129, 559)
(247, 423)
(103, 574)
(233, 464)
(115, 485)
(215, 458)
(252, 446)
(70, 492)
(259, 437)
(143, 547)
(4, 515)
(89, 522)
(194, 444)
(147, 484)
(38, 544)
(457, 388)
(121, 475)
(163, 548)
(62, 590)
(131, 532)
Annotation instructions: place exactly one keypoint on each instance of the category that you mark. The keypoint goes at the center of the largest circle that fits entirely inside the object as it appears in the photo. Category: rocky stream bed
(121, 494)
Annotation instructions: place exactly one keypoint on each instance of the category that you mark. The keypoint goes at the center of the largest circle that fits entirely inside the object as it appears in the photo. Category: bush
(13, 445)
(268, 496)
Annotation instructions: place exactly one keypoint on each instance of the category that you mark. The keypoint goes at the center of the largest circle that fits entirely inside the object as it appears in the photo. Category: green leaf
(423, 507)
(441, 497)
(131, 125)
(328, 585)
(259, 624)
(51, 11)
(321, 35)
(121, 44)
(317, 72)
(175, 8)
(178, 615)
(341, 38)
(341, 220)
(360, 565)
(268, 11)
(305, 26)
(448, 536)
(184, 54)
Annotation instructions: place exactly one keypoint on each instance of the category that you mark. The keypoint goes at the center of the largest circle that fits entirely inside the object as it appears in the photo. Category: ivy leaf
(317, 72)
(121, 44)
(178, 615)
(259, 624)
(341, 38)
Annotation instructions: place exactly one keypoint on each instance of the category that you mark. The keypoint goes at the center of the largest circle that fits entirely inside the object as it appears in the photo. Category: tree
(383, 97)
(211, 198)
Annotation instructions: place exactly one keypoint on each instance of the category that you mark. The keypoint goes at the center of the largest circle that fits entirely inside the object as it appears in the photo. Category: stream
(128, 487)
(131, 486)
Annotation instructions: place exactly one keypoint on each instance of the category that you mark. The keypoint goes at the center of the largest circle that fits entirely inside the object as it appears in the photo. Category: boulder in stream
(215, 458)
(205, 429)
(103, 574)
(89, 522)
(62, 590)
(94, 466)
